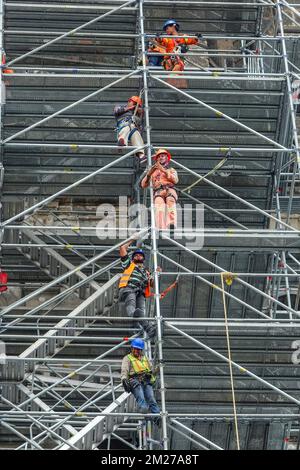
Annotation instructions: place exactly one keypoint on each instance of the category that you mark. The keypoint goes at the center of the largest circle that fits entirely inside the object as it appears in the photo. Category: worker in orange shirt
(169, 45)
(163, 180)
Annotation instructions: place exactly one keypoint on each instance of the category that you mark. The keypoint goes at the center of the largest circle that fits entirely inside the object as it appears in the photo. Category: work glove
(126, 385)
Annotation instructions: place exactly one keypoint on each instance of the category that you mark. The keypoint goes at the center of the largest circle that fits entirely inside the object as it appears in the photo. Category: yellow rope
(229, 275)
(221, 163)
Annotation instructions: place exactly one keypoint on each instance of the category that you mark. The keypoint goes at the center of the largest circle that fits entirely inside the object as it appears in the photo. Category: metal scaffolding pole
(292, 114)
(220, 114)
(229, 193)
(66, 108)
(70, 33)
(237, 366)
(62, 277)
(153, 235)
(241, 281)
(67, 188)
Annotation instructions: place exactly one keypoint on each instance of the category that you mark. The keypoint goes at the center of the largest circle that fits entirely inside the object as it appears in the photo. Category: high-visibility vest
(141, 366)
(126, 276)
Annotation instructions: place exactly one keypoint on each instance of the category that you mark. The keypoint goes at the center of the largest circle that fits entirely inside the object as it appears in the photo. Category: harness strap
(131, 133)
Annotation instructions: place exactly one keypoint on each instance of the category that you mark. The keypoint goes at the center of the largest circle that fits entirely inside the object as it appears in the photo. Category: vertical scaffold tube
(153, 233)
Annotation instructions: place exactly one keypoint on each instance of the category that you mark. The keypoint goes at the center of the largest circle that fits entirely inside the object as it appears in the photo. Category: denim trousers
(144, 395)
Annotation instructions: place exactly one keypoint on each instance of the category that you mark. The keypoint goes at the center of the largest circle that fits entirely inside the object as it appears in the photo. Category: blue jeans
(155, 60)
(144, 396)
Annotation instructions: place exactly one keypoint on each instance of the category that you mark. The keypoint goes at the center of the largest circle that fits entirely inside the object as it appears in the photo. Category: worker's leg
(123, 136)
(138, 393)
(140, 313)
(155, 60)
(160, 212)
(177, 67)
(171, 217)
(136, 140)
(127, 300)
(149, 396)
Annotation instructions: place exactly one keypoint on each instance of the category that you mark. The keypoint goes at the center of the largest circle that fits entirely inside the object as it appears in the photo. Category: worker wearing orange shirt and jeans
(169, 45)
(165, 196)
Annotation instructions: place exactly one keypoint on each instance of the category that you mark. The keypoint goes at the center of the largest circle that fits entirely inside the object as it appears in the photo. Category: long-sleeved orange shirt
(159, 178)
(170, 44)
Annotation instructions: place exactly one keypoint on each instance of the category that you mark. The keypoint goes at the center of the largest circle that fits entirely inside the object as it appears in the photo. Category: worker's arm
(146, 180)
(118, 110)
(125, 367)
(187, 41)
(124, 248)
(172, 175)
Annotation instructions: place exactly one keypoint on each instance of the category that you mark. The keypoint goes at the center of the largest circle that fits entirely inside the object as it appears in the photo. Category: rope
(137, 105)
(228, 279)
(217, 167)
(168, 289)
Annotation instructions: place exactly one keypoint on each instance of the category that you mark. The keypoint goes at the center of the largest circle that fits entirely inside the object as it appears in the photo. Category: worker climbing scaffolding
(129, 124)
(163, 180)
(135, 286)
(138, 377)
(170, 45)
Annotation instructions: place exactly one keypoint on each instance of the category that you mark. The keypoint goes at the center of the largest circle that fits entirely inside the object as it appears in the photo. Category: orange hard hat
(160, 151)
(136, 99)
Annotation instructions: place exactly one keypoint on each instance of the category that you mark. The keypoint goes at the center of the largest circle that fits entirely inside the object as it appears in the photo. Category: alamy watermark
(122, 221)
(296, 353)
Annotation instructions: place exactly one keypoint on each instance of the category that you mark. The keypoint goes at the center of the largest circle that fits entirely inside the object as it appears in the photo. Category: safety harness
(164, 187)
(128, 120)
(169, 62)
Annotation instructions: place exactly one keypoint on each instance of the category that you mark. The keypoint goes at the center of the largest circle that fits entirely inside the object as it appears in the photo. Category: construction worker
(165, 196)
(129, 122)
(134, 286)
(138, 378)
(169, 45)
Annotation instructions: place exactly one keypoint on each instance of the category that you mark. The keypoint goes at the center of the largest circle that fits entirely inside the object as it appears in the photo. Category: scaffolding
(228, 335)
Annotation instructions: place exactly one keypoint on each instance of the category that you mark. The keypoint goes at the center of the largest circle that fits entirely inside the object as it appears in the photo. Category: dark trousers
(132, 304)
